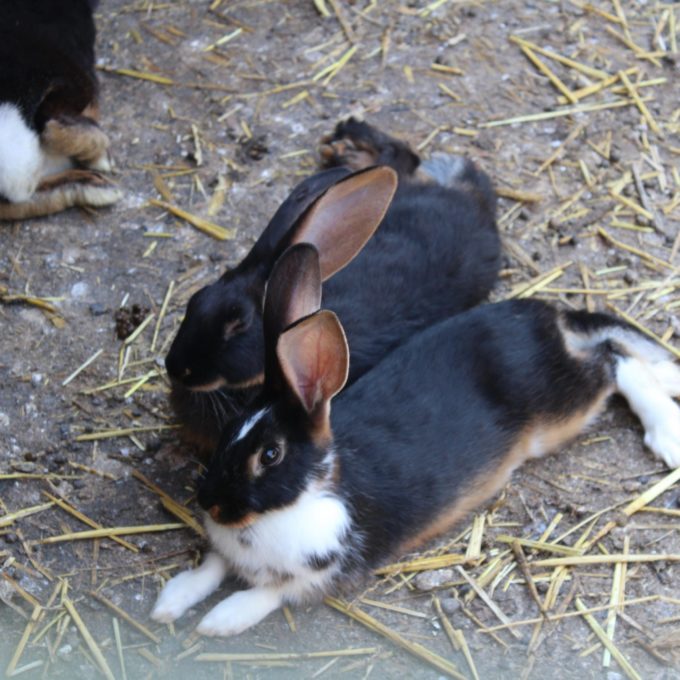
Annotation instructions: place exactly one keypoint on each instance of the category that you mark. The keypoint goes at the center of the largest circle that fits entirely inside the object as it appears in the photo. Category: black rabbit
(300, 501)
(436, 253)
(52, 151)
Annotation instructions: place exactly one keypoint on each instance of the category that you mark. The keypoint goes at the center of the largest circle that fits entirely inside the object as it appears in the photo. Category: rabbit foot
(189, 588)
(664, 439)
(77, 137)
(239, 612)
(64, 190)
(343, 152)
(358, 145)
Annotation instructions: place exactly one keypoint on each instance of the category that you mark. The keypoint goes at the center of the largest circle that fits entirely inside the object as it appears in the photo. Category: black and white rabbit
(300, 501)
(52, 151)
(436, 253)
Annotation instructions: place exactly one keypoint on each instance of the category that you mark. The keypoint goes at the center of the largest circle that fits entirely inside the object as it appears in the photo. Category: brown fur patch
(320, 432)
(91, 111)
(349, 153)
(221, 382)
(243, 523)
(73, 176)
(79, 138)
(423, 177)
(62, 191)
(538, 439)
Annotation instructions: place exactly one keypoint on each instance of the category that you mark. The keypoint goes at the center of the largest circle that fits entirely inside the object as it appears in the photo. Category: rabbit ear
(340, 222)
(293, 292)
(314, 360)
(274, 237)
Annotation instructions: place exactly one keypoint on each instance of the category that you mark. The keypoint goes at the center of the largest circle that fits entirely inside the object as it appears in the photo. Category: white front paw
(239, 612)
(665, 443)
(178, 595)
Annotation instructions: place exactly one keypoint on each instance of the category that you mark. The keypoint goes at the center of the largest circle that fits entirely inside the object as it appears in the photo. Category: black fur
(47, 58)
(321, 562)
(437, 416)
(280, 485)
(447, 407)
(436, 253)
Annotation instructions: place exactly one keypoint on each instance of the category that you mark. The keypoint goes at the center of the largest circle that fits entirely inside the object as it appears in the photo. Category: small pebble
(59, 459)
(98, 309)
(631, 277)
(79, 289)
(450, 605)
(429, 580)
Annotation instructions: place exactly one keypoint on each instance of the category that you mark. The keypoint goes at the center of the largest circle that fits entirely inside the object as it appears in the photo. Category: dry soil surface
(216, 107)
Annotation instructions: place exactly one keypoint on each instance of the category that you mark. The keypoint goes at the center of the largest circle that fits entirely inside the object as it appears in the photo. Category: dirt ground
(219, 113)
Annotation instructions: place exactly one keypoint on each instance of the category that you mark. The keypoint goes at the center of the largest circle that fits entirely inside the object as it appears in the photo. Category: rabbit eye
(271, 456)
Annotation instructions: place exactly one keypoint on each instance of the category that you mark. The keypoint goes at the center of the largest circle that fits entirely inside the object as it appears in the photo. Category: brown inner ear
(346, 216)
(314, 358)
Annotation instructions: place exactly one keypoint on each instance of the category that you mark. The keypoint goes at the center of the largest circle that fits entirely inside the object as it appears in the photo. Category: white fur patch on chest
(288, 547)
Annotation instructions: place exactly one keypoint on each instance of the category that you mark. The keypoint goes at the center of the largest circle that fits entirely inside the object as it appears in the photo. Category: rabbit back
(436, 254)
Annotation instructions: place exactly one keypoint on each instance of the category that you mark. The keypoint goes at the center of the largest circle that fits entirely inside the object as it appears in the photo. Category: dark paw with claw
(358, 145)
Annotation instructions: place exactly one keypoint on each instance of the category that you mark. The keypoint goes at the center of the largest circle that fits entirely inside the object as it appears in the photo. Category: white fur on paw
(665, 443)
(668, 375)
(238, 612)
(103, 163)
(178, 595)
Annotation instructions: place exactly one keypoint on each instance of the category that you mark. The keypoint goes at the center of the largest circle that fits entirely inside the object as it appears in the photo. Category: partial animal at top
(53, 154)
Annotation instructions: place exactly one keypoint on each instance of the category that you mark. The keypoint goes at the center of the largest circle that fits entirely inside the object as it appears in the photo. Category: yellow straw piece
(207, 227)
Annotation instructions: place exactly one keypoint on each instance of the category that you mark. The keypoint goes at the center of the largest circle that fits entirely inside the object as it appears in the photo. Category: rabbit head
(220, 341)
(283, 444)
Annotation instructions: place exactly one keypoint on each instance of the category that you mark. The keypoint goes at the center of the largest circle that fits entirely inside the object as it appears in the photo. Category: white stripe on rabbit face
(23, 161)
(250, 424)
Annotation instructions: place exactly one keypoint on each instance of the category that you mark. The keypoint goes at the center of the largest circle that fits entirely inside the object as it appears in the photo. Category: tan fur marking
(573, 342)
(352, 154)
(321, 433)
(62, 191)
(221, 382)
(81, 139)
(540, 438)
(422, 177)
(73, 176)
(243, 523)
(91, 111)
